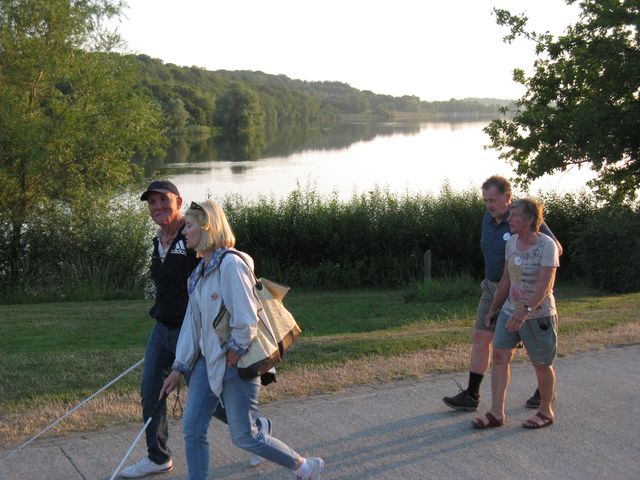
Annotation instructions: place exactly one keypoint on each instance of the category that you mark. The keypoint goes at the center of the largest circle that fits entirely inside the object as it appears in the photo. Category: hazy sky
(435, 49)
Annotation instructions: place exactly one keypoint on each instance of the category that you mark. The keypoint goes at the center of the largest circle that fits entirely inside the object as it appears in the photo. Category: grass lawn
(60, 353)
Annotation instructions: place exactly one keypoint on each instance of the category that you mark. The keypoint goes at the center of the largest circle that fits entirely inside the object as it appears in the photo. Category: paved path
(403, 431)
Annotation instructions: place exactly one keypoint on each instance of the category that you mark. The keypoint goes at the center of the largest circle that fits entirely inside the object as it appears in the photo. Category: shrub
(566, 216)
(99, 251)
(608, 249)
(374, 239)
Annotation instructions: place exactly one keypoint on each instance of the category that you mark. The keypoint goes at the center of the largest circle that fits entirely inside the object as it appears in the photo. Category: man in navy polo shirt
(496, 193)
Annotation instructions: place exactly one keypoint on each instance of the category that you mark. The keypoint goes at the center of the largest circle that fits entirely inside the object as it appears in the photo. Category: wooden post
(427, 265)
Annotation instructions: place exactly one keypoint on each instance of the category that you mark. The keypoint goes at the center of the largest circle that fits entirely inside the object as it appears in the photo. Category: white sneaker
(265, 425)
(145, 467)
(317, 467)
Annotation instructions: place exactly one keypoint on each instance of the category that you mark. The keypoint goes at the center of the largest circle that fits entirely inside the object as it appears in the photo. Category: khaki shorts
(539, 335)
(488, 292)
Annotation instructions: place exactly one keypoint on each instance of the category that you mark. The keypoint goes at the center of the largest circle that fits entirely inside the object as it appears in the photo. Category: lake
(348, 158)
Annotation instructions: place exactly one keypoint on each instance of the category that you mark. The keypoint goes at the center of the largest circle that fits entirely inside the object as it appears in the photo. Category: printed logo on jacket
(179, 248)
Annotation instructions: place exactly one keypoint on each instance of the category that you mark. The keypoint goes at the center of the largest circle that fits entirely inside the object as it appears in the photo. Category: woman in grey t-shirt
(527, 313)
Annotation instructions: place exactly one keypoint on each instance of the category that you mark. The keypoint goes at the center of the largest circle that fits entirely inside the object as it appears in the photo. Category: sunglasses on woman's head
(195, 206)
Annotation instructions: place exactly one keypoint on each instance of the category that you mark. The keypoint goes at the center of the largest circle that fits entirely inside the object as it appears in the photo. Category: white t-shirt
(523, 267)
(161, 250)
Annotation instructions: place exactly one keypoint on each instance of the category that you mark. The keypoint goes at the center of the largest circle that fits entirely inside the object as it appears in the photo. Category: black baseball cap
(161, 186)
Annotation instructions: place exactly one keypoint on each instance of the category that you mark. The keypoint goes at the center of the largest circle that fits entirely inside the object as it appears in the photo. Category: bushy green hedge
(374, 239)
(608, 249)
(377, 238)
(94, 252)
(567, 215)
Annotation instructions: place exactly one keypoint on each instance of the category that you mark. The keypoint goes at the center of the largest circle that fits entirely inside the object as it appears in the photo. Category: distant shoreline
(419, 117)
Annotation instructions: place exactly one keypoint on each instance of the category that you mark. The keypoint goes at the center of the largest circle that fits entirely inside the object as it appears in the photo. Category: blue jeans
(240, 398)
(158, 358)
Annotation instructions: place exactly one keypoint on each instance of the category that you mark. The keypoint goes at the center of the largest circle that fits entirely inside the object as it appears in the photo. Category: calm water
(348, 158)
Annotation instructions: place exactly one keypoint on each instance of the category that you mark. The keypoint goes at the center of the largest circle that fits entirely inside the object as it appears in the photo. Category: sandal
(532, 424)
(491, 422)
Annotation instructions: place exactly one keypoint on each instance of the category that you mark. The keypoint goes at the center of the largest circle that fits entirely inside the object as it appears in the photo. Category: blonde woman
(211, 362)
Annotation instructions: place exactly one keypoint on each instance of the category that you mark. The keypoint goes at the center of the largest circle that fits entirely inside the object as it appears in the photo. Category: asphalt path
(402, 430)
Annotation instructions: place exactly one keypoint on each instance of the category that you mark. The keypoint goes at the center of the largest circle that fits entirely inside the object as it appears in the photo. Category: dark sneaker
(462, 401)
(534, 400)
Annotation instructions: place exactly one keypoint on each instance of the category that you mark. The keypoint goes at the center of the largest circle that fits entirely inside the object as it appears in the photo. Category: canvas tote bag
(277, 329)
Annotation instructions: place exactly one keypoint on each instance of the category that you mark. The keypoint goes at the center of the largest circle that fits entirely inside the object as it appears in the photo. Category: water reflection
(345, 158)
(279, 141)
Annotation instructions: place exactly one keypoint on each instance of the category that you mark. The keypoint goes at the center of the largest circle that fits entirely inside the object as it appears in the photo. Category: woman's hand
(517, 320)
(170, 383)
(232, 358)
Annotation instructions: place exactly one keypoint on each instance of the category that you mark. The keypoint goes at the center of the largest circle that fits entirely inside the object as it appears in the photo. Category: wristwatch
(528, 308)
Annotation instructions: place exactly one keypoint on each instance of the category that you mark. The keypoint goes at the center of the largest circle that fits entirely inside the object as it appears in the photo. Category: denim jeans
(240, 399)
(158, 358)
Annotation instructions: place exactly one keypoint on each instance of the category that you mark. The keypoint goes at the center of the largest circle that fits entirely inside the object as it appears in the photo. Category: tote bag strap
(238, 254)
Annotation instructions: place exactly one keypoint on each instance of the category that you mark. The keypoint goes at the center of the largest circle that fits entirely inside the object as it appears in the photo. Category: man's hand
(490, 317)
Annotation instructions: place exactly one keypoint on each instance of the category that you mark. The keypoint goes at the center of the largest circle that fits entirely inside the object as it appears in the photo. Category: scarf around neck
(201, 269)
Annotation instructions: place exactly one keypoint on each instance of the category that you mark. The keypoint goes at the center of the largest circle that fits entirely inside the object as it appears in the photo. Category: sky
(434, 49)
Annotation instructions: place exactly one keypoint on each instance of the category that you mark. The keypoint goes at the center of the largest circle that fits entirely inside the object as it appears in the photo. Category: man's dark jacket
(170, 279)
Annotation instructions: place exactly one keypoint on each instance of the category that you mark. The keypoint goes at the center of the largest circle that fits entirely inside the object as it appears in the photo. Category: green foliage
(443, 289)
(70, 120)
(177, 115)
(377, 238)
(101, 250)
(239, 113)
(284, 100)
(566, 215)
(582, 105)
(97, 252)
(608, 249)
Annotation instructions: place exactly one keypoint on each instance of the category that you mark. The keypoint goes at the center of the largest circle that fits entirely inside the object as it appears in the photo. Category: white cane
(32, 439)
(133, 444)
(135, 440)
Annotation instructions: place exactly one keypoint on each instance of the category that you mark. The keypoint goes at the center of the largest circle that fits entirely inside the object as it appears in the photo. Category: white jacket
(232, 283)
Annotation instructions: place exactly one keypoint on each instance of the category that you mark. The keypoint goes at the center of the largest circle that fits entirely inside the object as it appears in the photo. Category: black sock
(475, 379)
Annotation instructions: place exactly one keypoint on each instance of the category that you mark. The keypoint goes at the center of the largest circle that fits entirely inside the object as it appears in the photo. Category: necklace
(526, 243)
(166, 239)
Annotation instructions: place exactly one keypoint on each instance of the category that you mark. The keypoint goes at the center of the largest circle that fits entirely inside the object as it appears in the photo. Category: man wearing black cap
(171, 265)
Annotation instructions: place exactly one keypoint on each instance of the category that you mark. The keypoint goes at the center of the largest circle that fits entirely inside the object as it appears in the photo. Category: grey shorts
(539, 335)
(488, 292)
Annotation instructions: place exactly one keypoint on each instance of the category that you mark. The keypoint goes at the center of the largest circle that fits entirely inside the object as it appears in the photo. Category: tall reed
(306, 239)
(375, 238)
(99, 251)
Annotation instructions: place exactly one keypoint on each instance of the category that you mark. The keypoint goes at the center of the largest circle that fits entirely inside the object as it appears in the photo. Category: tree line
(242, 102)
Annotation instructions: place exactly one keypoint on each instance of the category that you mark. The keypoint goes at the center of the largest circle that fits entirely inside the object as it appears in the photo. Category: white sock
(304, 469)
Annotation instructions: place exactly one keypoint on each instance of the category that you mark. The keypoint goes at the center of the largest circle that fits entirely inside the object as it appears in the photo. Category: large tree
(582, 101)
(239, 113)
(70, 117)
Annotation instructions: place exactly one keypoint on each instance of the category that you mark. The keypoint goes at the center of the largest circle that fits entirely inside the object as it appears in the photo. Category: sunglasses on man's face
(195, 206)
